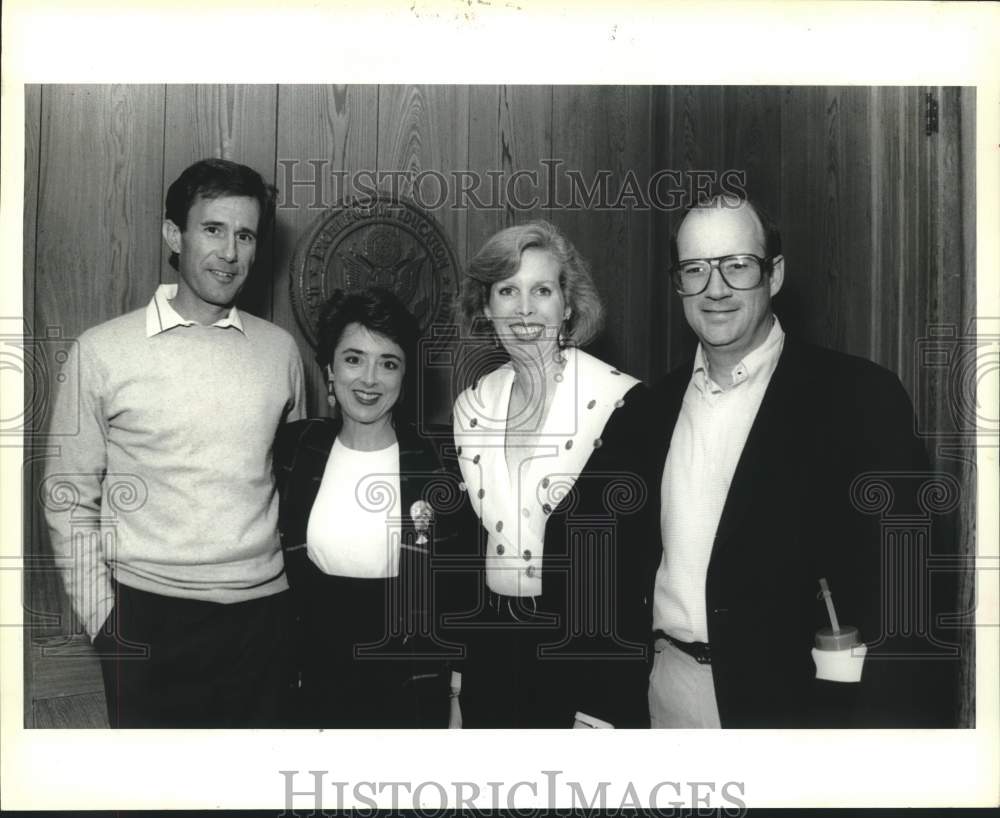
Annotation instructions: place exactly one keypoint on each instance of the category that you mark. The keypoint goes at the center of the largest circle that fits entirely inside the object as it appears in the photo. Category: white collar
(161, 316)
(759, 360)
(589, 392)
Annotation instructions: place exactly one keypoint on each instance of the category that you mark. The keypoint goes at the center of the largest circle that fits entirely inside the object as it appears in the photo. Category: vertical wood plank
(640, 270)
(944, 264)
(947, 245)
(825, 308)
(510, 132)
(752, 141)
(98, 237)
(664, 304)
(525, 131)
(427, 128)
(841, 246)
(486, 104)
(826, 216)
(915, 233)
(967, 523)
(99, 203)
(889, 177)
(36, 586)
(32, 138)
(325, 134)
(852, 333)
(803, 118)
(596, 161)
(234, 122)
(589, 159)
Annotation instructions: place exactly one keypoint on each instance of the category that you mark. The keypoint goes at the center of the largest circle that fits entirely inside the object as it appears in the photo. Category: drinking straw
(828, 598)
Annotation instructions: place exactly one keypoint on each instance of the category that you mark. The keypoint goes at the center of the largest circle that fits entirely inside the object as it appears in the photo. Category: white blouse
(514, 509)
(354, 525)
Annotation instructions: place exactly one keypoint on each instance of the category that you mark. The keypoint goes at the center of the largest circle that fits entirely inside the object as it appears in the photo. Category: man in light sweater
(168, 542)
(765, 441)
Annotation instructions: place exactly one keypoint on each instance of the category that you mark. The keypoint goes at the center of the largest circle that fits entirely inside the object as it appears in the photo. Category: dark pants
(523, 670)
(506, 682)
(172, 662)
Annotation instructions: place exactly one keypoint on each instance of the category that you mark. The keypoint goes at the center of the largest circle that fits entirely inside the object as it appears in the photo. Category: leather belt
(701, 652)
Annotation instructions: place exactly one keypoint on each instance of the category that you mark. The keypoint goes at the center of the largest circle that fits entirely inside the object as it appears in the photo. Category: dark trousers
(507, 682)
(171, 662)
(524, 671)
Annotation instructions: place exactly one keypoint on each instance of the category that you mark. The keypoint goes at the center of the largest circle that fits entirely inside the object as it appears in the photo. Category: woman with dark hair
(549, 445)
(365, 506)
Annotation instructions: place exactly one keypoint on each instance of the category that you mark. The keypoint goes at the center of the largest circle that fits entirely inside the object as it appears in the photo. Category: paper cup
(843, 665)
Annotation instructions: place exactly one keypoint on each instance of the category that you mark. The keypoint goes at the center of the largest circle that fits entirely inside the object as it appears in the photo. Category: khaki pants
(681, 691)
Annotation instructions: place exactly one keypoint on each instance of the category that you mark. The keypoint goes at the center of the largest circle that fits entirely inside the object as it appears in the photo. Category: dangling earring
(331, 397)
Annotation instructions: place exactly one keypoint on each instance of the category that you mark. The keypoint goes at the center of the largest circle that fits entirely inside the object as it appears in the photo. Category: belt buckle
(699, 651)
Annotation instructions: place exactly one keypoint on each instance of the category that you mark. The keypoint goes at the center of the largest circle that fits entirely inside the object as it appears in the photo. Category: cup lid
(846, 637)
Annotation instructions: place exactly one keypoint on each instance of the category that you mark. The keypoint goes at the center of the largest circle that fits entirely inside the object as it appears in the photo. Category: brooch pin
(423, 515)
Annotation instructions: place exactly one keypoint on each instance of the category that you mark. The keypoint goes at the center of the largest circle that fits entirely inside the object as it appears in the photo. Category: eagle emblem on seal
(383, 241)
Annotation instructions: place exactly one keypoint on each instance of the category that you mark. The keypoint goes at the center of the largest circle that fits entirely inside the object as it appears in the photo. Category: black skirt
(356, 668)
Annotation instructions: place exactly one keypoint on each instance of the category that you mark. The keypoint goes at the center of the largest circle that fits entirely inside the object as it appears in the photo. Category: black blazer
(301, 451)
(791, 517)
(593, 567)
(609, 490)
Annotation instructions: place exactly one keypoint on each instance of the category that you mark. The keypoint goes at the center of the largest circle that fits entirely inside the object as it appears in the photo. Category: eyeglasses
(740, 272)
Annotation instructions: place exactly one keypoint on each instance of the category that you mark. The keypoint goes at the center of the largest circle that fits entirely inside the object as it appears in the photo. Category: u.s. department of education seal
(381, 241)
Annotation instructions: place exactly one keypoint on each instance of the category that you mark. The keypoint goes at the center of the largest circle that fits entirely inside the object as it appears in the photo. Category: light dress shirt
(707, 442)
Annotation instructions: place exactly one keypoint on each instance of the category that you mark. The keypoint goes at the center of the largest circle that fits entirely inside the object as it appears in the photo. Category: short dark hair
(212, 179)
(772, 236)
(381, 313)
(499, 258)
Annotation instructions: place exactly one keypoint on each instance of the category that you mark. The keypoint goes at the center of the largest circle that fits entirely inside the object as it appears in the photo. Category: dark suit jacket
(593, 564)
(826, 420)
(301, 451)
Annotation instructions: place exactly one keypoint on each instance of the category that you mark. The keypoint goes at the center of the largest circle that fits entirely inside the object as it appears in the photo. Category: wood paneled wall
(877, 217)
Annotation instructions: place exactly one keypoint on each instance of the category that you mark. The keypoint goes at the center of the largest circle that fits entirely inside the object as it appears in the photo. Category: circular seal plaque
(381, 241)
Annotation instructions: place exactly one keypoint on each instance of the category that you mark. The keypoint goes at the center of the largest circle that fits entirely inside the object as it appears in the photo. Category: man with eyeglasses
(764, 437)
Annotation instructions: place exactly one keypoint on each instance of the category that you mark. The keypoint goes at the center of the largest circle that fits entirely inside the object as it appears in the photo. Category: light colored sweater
(166, 483)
